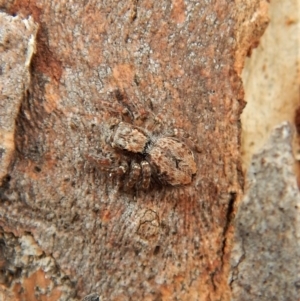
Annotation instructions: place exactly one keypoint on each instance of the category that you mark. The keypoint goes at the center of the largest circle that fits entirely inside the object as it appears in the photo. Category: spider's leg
(92, 297)
(103, 164)
(131, 103)
(134, 175)
(146, 175)
(116, 109)
(191, 142)
(120, 173)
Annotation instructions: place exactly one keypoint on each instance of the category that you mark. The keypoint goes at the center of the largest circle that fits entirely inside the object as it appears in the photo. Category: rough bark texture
(266, 252)
(265, 257)
(17, 47)
(171, 63)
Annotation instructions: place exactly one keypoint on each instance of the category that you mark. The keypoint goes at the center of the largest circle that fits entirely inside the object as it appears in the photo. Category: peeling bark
(266, 248)
(17, 47)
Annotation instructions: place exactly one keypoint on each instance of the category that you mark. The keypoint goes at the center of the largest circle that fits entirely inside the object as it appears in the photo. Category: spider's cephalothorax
(165, 160)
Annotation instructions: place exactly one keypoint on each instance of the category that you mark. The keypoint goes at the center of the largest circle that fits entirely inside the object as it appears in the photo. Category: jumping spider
(146, 159)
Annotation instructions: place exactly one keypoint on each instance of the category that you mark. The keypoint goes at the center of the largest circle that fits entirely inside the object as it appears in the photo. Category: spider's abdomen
(173, 161)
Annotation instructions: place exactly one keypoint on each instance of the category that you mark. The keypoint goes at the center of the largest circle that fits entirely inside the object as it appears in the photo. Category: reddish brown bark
(172, 62)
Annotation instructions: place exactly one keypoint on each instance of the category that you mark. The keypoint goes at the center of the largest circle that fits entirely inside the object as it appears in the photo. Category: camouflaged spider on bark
(166, 159)
(145, 158)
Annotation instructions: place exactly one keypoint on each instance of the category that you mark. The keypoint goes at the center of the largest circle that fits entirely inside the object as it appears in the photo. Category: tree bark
(68, 228)
(266, 249)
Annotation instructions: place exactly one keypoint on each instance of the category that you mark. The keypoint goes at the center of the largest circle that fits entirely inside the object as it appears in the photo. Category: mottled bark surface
(266, 253)
(170, 63)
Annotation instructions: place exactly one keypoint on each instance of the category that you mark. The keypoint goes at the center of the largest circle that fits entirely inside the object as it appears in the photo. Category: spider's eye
(119, 143)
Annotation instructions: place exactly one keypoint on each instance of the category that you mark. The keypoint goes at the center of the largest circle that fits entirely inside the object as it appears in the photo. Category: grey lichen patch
(17, 45)
(266, 254)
